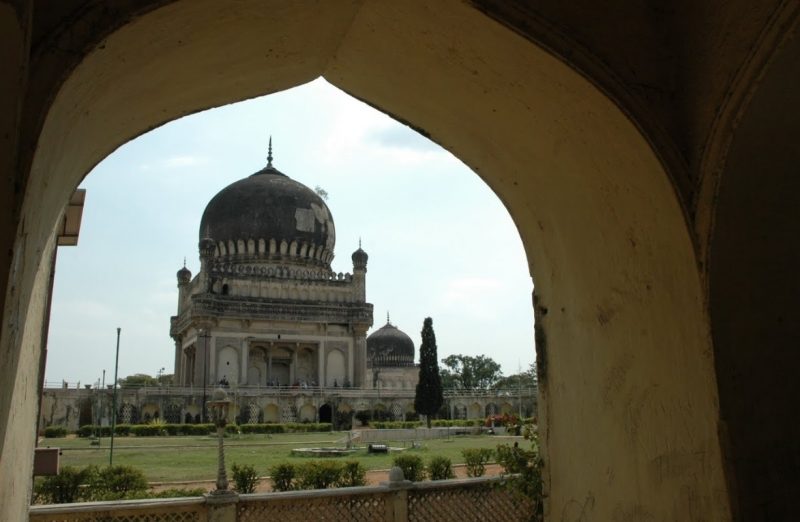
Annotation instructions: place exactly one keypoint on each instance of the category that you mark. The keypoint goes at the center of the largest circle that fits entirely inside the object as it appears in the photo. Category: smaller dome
(360, 259)
(390, 347)
(184, 275)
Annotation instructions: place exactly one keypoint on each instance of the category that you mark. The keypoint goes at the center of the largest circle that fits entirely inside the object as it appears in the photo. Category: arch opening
(619, 301)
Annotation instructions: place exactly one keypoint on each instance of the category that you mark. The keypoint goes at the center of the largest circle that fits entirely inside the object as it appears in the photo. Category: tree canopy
(470, 373)
(429, 396)
(139, 380)
(526, 379)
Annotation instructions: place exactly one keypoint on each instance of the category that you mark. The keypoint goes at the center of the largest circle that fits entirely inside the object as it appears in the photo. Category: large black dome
(268, 206)
(390, 346)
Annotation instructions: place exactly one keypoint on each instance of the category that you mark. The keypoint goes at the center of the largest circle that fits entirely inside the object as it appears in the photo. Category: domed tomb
(269, 216)
(390, 347)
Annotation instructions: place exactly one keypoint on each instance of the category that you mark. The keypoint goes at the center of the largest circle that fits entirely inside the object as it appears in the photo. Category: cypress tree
(429, 398)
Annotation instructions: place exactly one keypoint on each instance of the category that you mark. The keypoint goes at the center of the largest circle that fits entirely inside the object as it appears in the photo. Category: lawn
(166, 459)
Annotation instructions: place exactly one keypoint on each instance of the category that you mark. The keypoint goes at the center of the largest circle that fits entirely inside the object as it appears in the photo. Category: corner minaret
(360, 272)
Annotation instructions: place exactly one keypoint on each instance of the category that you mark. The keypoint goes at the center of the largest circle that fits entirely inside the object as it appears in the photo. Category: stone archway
(616, 274)
(326, 413)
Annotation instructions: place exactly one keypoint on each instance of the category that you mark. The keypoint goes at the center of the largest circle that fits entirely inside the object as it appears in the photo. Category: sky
(440, 243)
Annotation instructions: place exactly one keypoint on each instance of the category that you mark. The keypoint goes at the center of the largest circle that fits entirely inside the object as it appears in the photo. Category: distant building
(267, 317)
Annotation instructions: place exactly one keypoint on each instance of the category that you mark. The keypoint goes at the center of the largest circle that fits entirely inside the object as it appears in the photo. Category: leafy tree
(138, 380)
(470, 373)
(526, 379)
(429, 397)
(321, 192)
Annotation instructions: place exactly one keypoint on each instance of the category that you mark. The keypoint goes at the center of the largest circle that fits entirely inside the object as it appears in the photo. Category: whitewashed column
(245, 357)
(321, 363)
(212, 360)
(350, 363)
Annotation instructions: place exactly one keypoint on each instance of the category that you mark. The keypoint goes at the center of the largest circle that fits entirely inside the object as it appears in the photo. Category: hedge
(154, 430)
(396, 425)
(55, 432)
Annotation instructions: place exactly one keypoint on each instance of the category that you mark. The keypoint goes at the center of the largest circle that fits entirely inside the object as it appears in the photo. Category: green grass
(191, 458)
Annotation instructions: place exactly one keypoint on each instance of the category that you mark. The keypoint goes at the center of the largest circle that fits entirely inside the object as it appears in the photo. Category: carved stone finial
(269, 153)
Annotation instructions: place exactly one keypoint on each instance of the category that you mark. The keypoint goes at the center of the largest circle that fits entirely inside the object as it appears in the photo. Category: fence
(462, 500)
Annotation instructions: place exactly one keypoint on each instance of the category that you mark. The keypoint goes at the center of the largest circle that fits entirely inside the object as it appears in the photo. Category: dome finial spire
(387, 317)
(184, 261)
(269, 153)
(359, 242)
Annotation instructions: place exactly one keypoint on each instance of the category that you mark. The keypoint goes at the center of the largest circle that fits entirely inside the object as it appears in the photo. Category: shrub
(115, 482)
(200, 429)
(476, 459)
(147, 430)
(177, 493)
(412, 466)
(59, 489)
(283, 476)
(55, 431)
(318, 474)
(529, 466)
(394, 425)
(245, 478)
(167, 493)
(262, 428)
(232, 429)
(352, 474)
(512, 458)
(440, 468)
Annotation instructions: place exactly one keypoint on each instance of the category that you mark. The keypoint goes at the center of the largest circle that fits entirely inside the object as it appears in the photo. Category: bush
(394, 425)
(245, 478)
(262, 428)
(476, 460)
(318, 474)
(167, 493)
(283, 477)
(52, 432)
(200, 429)
(455, 423)
(115, 482)
(440, 468)
(352, 474)
(177, 493)
(59, 489)
(512, 458)
(412, 466)
(147, 430)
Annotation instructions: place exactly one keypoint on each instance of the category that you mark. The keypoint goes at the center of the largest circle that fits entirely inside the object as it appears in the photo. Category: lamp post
(220, 404)
(114, 404)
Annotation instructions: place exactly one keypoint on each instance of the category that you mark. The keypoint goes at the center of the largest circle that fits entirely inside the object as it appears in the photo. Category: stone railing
(395, 501)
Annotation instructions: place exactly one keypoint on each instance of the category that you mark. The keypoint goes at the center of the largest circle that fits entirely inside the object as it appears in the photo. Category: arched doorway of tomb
(475, 411)
(335, 369)
(257, 366)
(326, 413)
(272, 413)
(307, 413)
(491, 409)
(279, 367)
(228, 365)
